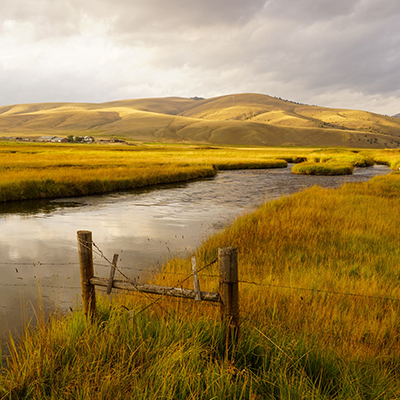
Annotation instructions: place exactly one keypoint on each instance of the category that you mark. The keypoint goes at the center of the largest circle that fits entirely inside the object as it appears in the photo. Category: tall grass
(33, 170)
(327, 244)
(322, 168)
(45, 171)
(319, 297)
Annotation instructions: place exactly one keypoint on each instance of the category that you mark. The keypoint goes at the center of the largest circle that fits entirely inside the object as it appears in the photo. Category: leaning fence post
(86, 267)
(229, 292)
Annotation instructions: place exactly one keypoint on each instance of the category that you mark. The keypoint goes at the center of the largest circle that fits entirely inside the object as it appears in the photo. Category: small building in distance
(53, 139)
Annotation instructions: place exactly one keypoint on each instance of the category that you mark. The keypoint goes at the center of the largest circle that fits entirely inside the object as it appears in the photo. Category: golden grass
(321, 264)
(246, 119)
(40, 171)
(33, 170)
(324, 168)
(319, 298)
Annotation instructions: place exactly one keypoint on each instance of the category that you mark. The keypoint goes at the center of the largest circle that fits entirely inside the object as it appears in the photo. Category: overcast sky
(334, 53)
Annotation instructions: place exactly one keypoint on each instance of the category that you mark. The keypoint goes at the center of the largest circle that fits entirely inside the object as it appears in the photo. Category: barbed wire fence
(246, 316)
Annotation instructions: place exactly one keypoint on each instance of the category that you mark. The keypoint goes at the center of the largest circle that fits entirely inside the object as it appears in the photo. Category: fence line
(171, 289)
(114, 266)
(39, 264)
(166, 291)
(330, 336)
(228, 295)
(320, 291)
(39, 285)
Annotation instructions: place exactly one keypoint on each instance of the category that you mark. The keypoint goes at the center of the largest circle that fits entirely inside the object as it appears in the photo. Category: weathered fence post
(86, 266)
(112, 273)
(196, 284)
(229, 292)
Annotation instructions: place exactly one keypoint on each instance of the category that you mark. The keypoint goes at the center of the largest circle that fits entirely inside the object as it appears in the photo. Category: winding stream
(38, 238)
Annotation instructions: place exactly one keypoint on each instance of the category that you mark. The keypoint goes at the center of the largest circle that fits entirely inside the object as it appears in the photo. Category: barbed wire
(38, 263)
(39, 285)
(326, 335)
(156, 272)
(320, 291)
(96, 250)
(132, 282)
(181, 282)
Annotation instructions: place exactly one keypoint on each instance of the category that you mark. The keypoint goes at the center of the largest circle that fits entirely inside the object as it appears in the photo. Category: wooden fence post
(86, 267)
(112, 273)
(229, 292)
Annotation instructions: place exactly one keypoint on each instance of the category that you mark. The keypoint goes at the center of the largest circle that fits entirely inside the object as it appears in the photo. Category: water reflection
(38, 238)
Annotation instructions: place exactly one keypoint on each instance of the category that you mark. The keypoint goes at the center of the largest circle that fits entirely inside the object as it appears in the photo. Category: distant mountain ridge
(237, 119)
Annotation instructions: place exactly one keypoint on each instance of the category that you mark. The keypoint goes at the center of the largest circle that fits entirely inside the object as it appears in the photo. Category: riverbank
(41, 170)
(319, 294)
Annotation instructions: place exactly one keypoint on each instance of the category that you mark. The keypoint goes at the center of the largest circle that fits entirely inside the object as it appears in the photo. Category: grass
(34, 171)
(319, 297)
(321, 168)
(243, 119)
(46, 171)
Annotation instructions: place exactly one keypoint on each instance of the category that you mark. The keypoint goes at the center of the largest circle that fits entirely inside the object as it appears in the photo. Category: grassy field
(319, 300)
(319, 292)
(34, 171)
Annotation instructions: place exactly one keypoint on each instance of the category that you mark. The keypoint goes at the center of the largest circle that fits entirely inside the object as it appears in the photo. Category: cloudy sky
(334, 53)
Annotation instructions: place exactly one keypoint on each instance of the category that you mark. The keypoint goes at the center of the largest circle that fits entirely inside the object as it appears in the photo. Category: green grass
(154, 356)
(322, 168)
(319, 298)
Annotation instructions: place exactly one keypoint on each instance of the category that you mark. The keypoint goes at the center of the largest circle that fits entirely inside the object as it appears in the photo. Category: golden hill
(250, 119)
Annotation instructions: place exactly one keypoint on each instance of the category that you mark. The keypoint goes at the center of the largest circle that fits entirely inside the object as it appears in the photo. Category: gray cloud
(305, 50)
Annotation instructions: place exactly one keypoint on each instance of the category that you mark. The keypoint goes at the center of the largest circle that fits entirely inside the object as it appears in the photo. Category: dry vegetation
(243, 119)
(319, 287)
(34, 171)
(319, 296)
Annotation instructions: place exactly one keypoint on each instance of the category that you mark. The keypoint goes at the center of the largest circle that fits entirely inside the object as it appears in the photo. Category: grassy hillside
(249, 119)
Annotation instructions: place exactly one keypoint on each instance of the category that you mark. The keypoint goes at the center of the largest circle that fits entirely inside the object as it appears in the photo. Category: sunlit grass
(34, 170)
(303, 255)
(44, 171)
(322, 168)
(319, 297)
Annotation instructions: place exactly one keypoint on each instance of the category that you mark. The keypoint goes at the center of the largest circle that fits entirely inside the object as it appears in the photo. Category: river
(38, 249)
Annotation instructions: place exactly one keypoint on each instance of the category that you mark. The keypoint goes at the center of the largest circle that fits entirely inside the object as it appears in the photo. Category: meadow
(319, 302)
(35, 171)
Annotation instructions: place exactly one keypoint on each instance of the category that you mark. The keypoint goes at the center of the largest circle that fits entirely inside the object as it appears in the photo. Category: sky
(332, 53)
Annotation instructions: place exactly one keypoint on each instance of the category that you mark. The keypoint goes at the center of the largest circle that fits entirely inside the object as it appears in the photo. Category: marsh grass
(34, 171)
(322, 168)
(154, 355)
(319, 299)
(44, 171)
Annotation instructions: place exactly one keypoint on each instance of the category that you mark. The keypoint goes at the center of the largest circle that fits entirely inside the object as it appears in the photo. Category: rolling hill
(248, 119)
